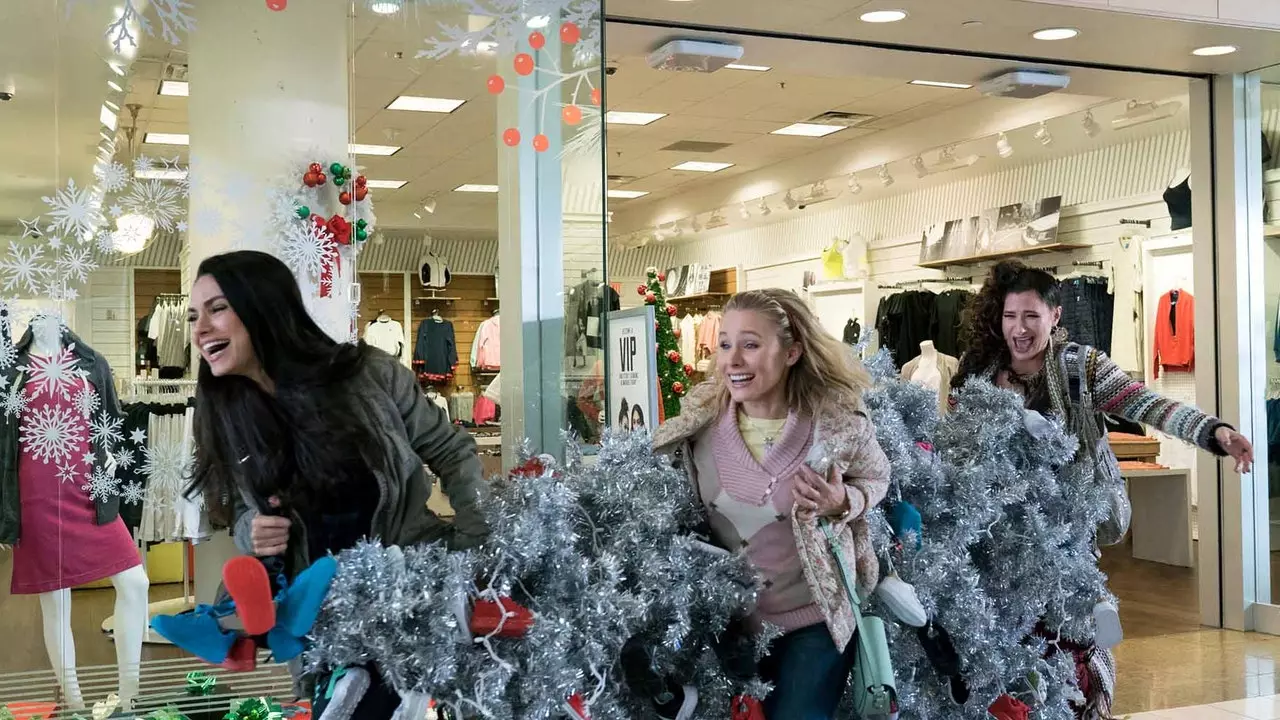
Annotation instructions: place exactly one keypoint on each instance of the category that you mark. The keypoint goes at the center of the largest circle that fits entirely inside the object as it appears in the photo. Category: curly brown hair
(983, 327)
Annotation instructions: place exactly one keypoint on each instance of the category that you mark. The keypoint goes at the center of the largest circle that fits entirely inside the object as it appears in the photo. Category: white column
(268, 90)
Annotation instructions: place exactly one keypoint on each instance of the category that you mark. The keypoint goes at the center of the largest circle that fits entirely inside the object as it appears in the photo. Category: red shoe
(246, 581)
(486, 618)
(243, 656)
(746, 707)
(1009, 708)
(578, 707)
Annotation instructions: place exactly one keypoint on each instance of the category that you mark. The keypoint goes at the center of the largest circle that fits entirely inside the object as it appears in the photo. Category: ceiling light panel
(166, 139)
(476, 188)
(702, 166)
(425, 104)
(175, 88)
(616, 117)
(808, 130)
(386, 184)
(941, 84)
(1214, 50)
(627, 194)
(883, 16)
(1058, 33)
(748, 68)
(360, 149)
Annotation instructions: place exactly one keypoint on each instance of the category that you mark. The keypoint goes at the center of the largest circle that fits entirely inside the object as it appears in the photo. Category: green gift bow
(255, 709)
(201, 684)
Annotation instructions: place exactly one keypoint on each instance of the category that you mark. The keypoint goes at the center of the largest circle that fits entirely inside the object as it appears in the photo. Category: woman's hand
(817, 496)
(1237, 446)
(270, 533)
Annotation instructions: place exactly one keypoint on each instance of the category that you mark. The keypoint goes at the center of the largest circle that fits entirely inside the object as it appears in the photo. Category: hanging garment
(1178, 200)
(574, 333)
(708, 337)
(947, 323)
(433, 272)
(385, 334)
(852, 332)
(602, 300)
(168, 329)
(1127, 327)
(855, 257)
(688, 339)
(903, 321)
(832, 262)
(462, 405)
(1088, 311)
(61, 543)
(435, 355)
(441, 402)
(485, 410)
(486, 348)
(1175, 344)
(146, 356)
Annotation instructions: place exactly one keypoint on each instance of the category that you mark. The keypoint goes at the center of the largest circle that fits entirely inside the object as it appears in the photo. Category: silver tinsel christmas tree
(627, 604)
(1006, 547)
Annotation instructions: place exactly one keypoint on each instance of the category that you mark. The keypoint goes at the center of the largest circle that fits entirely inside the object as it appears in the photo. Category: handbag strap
(851, 587)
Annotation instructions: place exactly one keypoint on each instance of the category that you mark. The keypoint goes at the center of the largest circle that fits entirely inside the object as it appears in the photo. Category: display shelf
(435, 298)
(699, 297)
(990, 257)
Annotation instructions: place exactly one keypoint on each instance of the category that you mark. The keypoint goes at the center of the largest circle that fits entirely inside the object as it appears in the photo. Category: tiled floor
(1192, 668)
(1259, 708)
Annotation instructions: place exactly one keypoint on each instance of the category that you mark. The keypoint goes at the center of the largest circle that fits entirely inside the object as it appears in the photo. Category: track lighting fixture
(1091, 126)
(789, 200)
(885, 178)
(1004, 148)
(430, 204)
(697, 224)
(744, 212)
(918, 164)
(855, 187)
(1042, 134)
(764, 206)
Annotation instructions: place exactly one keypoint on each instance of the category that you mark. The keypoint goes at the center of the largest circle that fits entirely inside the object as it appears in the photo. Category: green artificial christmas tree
(673, 370)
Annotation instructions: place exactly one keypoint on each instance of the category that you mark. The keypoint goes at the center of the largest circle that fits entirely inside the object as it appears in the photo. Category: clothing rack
(920, 283)
(150, 389)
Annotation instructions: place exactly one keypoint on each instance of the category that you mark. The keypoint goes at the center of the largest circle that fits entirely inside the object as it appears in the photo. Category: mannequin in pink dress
(62, 545)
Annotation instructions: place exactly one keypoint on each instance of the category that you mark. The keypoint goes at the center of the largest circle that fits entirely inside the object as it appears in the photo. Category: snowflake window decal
(55, 375)
(51, 433)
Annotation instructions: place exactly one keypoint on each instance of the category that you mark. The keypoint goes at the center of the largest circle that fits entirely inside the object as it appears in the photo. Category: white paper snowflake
(142, 164)
(102, 485)
(24, 268)
(8, 356)
(105, 430)
(132, 493)
(115, 210)
(76, 264)
(157, 200)
(112, 177)
(73, 210)
(51, 433)
(105, 241)
(166, 465)
(306, 248)
(15, 402)
(69, 474)
(138, 436)
(89, 459)
(175, 21)
(55, 375)
(86, 401)
(124, 458)
(31, 228)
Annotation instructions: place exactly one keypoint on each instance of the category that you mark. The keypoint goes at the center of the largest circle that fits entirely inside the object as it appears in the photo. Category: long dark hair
(983, 328)
(305, 441)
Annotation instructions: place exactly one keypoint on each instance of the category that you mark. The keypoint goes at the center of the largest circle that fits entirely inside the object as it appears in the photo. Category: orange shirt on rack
(1175, 346)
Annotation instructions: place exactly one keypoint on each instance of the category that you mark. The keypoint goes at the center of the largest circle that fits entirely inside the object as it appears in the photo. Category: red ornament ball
(344, 197)
(677, 387)
(572, 114)
(688, 369)
(671, 310)
(277, 5)
(496, 84)
(596, 97)
(311, 179)
(315, 168)
(541, 142)
(361, 181)
(676, 332)
(650, 298)
(523, 64)
(319, 220)
(642, 289)
(570, 33)
(662, 277)
(361, 193)
(537, 40)
(673, 356)
(321, 178)
(511, 137)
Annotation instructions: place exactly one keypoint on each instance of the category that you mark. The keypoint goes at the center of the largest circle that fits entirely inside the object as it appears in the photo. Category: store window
(431, 174)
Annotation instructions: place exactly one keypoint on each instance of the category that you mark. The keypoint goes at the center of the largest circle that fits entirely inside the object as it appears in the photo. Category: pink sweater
(749, 504)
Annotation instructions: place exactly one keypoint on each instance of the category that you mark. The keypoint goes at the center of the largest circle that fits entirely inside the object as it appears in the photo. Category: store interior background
(1104, 176)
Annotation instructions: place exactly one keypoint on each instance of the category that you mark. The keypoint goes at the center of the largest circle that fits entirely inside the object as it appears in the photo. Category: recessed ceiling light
(940, 84)
(1060, 33)
(385, 7)
(476, 188)
(627, 194)
(701, 166)
(160, 174)
(750, 68)
(174, 88)
(114, 86)
(1214, 50)
(425, 104)
(166, 139)
(884, 16)
(111, 105)
(108, 118)
(359, 149)
(115, 68)
(386, 184)
(616, 117)
(808, 130)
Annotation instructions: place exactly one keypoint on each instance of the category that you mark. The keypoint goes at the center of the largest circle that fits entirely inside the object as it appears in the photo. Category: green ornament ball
(346, 172)
(339, 180)
(303, 212)
(362, 234)
(362, 223)
(335, 169)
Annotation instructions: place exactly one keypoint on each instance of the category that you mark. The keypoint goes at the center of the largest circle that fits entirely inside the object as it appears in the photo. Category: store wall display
(1010, 229)
(693, 279)
(1175, 343)
(633, 369)
(1088, 311)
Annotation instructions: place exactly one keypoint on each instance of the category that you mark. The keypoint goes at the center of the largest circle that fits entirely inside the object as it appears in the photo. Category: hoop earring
(1059, 334)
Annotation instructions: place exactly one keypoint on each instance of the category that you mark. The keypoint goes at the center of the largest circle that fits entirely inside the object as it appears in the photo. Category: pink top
(750, 504)
(488, 345)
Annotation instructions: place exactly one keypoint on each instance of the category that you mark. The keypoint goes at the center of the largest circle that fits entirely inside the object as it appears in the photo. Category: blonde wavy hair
(827, 373)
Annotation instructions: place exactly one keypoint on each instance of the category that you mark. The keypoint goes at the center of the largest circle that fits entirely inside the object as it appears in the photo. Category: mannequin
(50, 560)
(1178, 200)
(933, 370)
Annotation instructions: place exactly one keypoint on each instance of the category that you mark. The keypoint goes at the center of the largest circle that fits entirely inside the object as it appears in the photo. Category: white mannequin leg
(55, 611)
(131, 619)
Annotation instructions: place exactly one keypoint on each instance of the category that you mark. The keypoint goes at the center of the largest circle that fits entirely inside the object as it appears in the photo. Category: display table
(1161, 527)
(1134, 447)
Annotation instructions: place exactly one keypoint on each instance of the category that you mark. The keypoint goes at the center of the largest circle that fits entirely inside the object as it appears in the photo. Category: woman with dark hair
(305, 445)
(1015, 341)
(637, 418)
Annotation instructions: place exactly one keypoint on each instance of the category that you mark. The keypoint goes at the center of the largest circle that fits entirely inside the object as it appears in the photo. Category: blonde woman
(785, 403)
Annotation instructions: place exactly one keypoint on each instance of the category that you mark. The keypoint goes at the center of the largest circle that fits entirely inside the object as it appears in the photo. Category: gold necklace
(769, 439)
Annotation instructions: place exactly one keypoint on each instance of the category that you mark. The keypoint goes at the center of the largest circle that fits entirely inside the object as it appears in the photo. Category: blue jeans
(809, 675)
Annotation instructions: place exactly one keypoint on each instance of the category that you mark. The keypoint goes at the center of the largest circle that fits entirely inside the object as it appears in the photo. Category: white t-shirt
(386, 335)
(688, 339)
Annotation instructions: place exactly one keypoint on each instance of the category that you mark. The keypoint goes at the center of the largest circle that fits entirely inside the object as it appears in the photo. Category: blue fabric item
(905, 518)
(299, 604)
(198, 632)
(284, 647)
(808, 673)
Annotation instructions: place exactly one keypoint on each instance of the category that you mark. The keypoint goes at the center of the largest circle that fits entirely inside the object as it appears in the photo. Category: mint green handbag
(874, 689)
